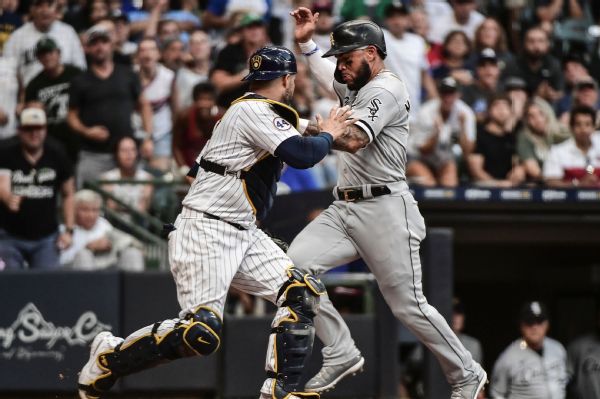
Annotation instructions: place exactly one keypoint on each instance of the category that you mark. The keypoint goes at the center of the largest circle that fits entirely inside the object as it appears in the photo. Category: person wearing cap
(537, 67)
(34, 173)
(124, 48)
(485, 85)
(231, 63)
(235, 185)
(576, 162)
(443, 131)
(21, 43)
(494, 161)
(585, 93)
(51, 88)
(534, 365)
(101, 102)
(407, 56)
(374, 215)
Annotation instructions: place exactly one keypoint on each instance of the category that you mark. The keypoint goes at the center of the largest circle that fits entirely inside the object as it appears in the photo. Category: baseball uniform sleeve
(265, 129)
(500, 379)
(552, 166)
(322, 69)
(374, 108)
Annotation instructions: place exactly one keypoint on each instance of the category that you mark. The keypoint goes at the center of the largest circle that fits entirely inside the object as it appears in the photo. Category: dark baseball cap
(396, 7)
(533, 312)
(514, 83)
(448, 85)
(487, 55)
(40, 2)
(45, 45)
(118, 15)
(586, 83)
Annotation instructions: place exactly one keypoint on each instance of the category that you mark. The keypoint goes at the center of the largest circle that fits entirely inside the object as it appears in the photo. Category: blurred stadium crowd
(503, 94)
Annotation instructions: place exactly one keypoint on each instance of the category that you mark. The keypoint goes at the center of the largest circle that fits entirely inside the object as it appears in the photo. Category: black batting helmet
(271, 62)
(352, 35)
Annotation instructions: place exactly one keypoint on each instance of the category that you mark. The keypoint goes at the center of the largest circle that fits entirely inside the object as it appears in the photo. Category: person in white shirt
(443, 131)
(195, 72)
(9, 87)
(96, 243)
(407, 56)
(462, 16)
(576, 161)
(157, 85)
(21, 43)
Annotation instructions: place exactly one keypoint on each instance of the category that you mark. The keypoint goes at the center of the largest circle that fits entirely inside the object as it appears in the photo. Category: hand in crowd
(147, 149)
(305, 24)
(3, 117)
(13, 203)
(337, 122)
(462, 76)
(97, 133)
(589, 180)
(100, 245)
(64, 240)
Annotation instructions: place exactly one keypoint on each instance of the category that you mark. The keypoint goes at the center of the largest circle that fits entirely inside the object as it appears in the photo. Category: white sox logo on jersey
(374, 108)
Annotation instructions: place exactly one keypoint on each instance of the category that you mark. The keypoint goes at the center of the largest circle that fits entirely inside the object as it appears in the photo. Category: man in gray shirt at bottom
(533, 366)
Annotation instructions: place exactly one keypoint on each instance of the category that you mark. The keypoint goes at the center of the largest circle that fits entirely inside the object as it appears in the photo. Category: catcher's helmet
(355, 34)
(271, 62)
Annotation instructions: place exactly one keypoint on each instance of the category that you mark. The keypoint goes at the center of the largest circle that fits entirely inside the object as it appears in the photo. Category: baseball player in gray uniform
(534, 366)
(215, 244)
(583, 364)
(374, 215)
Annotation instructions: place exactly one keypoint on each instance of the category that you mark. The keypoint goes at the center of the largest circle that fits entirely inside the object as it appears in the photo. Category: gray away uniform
(386, 231)
(583, 364)
(521, 373)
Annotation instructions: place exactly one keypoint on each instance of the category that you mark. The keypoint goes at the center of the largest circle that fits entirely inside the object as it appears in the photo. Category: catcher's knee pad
(197, 334)
(292, 332)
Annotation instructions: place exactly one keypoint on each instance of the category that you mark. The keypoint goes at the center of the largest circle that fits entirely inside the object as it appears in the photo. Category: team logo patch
(331, 40)
(281, 124)
(374, 108)
(255, 62)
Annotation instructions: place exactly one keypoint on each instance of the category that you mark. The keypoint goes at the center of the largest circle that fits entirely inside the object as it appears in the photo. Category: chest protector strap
(260, 180)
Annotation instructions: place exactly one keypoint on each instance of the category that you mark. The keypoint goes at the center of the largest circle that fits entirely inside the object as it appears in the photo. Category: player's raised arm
(321, 68)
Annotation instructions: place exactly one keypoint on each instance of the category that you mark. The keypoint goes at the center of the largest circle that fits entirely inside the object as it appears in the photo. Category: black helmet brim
(266, 75)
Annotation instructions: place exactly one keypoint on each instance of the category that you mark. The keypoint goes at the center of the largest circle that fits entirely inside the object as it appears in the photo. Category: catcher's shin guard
(197, 334)
(292, 334)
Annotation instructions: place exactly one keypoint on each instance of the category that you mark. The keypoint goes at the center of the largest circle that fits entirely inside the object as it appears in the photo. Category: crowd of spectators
(502, 93)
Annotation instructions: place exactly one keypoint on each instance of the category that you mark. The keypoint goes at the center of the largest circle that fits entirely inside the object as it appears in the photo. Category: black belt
(356, 194)
(168, 228)
(215, 217)
(219, 169)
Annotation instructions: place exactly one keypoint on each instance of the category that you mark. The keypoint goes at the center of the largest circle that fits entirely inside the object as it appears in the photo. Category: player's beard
(362, 76)
(288, 95)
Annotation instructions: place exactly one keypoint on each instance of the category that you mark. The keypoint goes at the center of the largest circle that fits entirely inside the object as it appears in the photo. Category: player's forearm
(321, 68)
(304, 152)
(353, 140)
(68, 203)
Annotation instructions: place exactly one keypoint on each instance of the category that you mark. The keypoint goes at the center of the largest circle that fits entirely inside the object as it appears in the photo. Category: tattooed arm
(353, 140)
